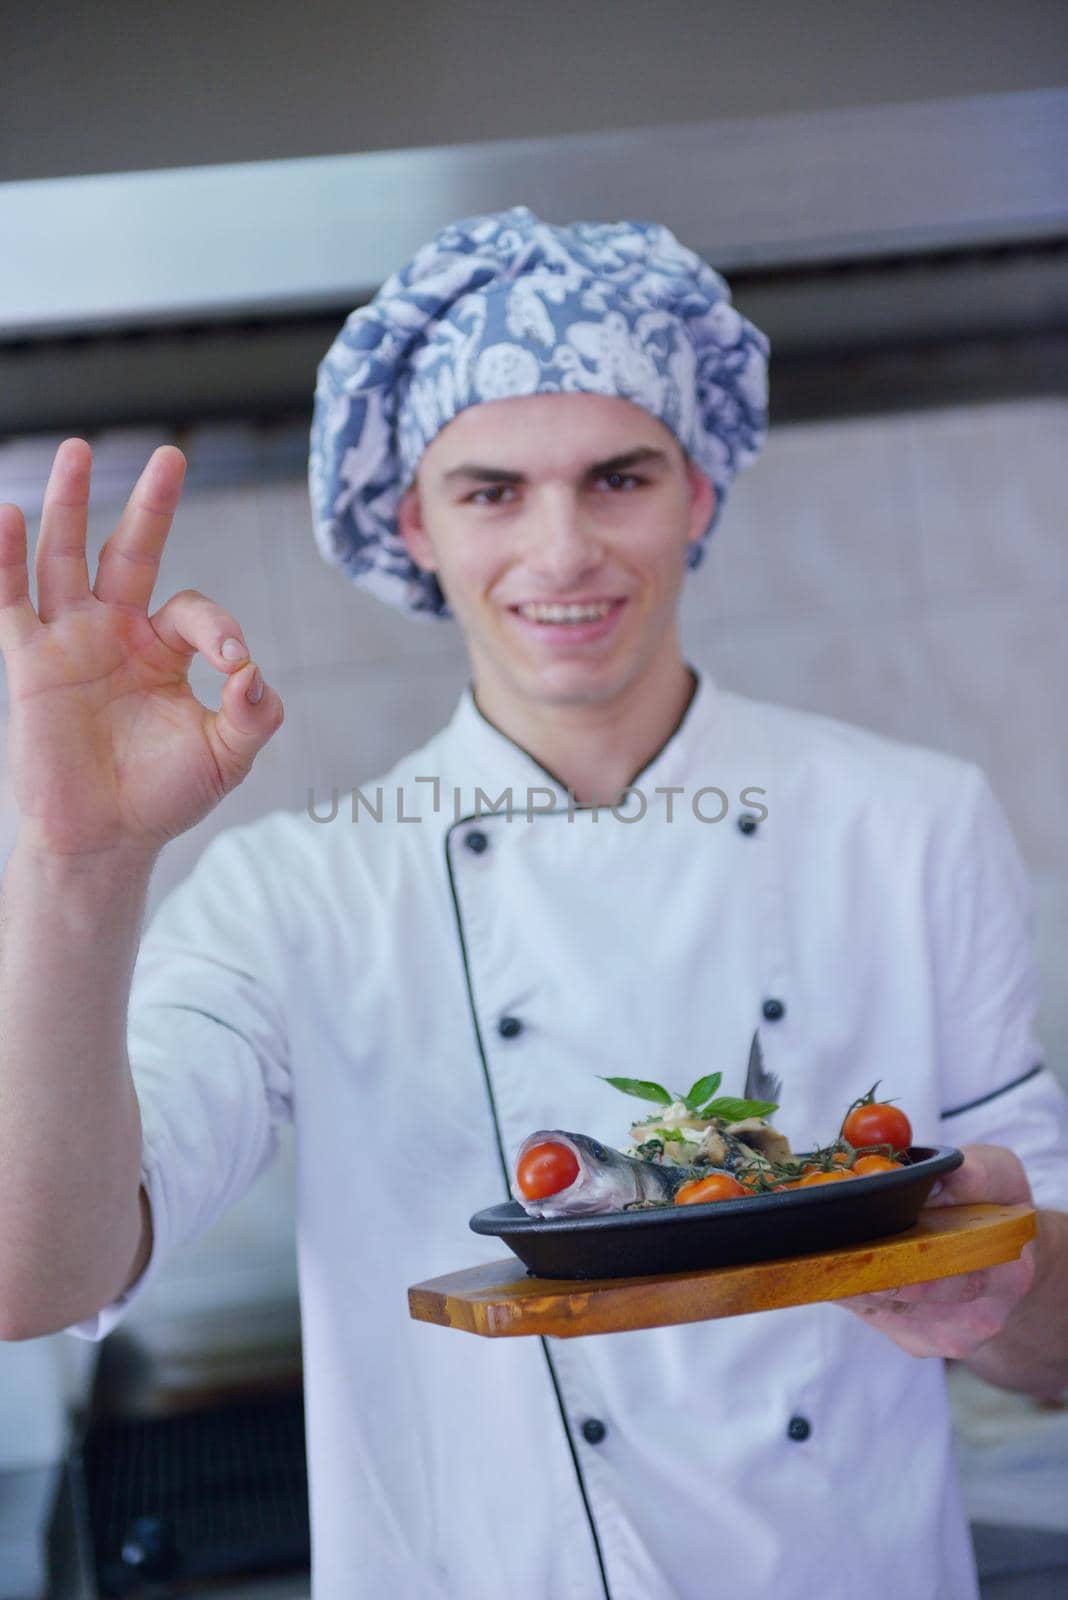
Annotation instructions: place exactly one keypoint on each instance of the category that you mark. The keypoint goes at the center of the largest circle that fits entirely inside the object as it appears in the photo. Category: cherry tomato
(873, 1122)
(717, 1186)
(546, 1169)
(864, 1165)
(841, 1158)
(835, 1175)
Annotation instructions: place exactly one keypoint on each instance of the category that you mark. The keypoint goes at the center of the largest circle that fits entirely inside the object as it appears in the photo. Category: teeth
(546, 613)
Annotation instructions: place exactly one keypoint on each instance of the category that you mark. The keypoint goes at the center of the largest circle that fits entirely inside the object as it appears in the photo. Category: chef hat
(505, 304)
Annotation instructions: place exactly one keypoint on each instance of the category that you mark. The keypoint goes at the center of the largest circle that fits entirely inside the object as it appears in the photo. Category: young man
(534, 429)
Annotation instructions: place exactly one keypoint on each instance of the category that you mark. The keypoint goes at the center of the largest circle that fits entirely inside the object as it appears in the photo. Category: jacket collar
(478, 754)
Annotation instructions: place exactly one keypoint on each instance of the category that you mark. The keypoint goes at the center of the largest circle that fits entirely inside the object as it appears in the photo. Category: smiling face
(558, 527)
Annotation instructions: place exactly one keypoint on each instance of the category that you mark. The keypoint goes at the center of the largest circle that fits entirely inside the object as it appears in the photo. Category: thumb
(989, 1173)
(242, 726)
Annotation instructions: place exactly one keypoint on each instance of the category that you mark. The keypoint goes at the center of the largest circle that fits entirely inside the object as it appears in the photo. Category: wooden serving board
(499, 1300)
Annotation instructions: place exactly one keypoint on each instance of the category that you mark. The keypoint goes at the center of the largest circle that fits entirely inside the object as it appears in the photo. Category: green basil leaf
(639, 1087)
(703, 1090)
(731, 1110)
(671, 1135)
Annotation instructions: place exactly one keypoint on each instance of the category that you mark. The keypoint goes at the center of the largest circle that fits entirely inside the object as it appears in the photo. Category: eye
(492, 489)
(617, 479)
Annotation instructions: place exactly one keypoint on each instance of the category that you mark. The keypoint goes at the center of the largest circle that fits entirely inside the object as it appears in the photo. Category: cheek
(469, 573)
(663, 558)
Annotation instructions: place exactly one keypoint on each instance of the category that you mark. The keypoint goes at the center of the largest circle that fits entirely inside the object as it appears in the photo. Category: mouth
(564, 626)
(566, 614)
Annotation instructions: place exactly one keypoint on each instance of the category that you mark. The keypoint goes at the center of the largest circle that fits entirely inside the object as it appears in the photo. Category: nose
(563, 547)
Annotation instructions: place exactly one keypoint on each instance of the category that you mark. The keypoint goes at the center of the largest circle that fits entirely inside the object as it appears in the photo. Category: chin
(576, 683)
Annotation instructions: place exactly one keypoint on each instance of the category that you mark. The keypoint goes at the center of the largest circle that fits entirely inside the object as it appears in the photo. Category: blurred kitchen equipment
(218, 1491)
(187, 1466)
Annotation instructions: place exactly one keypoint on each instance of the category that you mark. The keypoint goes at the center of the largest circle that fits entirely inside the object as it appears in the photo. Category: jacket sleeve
(208, 1044)
(996, 1086)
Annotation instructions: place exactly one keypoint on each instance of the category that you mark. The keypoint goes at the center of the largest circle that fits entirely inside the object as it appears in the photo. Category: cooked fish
(760, 1084)
(607, 1180)
(758, 1135)
(686, 1140)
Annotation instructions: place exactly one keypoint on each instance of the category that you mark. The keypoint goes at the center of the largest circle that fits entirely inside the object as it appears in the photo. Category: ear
(702, 502)
(412, 529)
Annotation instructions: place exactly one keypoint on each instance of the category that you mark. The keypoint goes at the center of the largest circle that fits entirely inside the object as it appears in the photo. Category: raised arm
(111, 756)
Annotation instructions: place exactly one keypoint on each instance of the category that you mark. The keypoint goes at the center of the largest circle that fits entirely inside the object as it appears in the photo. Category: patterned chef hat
(504, 305)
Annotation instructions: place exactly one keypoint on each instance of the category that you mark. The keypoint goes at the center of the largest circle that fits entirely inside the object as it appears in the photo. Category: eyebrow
(631, 458)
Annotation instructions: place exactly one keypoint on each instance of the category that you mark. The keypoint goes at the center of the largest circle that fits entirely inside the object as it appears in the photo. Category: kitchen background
(898, 557)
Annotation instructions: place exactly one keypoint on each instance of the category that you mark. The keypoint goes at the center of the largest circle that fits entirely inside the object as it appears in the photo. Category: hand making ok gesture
(110, 750)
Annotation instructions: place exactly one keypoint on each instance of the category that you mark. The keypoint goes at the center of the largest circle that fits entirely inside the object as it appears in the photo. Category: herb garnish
(698, 1099)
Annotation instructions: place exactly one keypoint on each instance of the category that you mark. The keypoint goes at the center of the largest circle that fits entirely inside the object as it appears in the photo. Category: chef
(605, 864)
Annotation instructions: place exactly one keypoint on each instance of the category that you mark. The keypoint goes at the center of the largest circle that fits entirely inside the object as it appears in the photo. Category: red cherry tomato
(834, 1175)
(875, 1123)
(546, 1169)
(717, 1186)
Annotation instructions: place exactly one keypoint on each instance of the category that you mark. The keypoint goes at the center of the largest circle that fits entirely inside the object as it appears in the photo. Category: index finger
(129, 561)
(62, 575)
(959, 1289)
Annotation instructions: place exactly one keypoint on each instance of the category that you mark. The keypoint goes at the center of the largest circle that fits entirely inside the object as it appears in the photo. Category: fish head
(604, 1180)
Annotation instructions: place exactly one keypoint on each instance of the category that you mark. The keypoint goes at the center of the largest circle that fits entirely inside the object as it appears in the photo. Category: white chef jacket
(354, 975)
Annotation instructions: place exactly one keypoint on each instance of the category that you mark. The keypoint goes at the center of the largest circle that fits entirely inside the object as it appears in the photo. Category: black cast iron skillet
(628, 1244)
